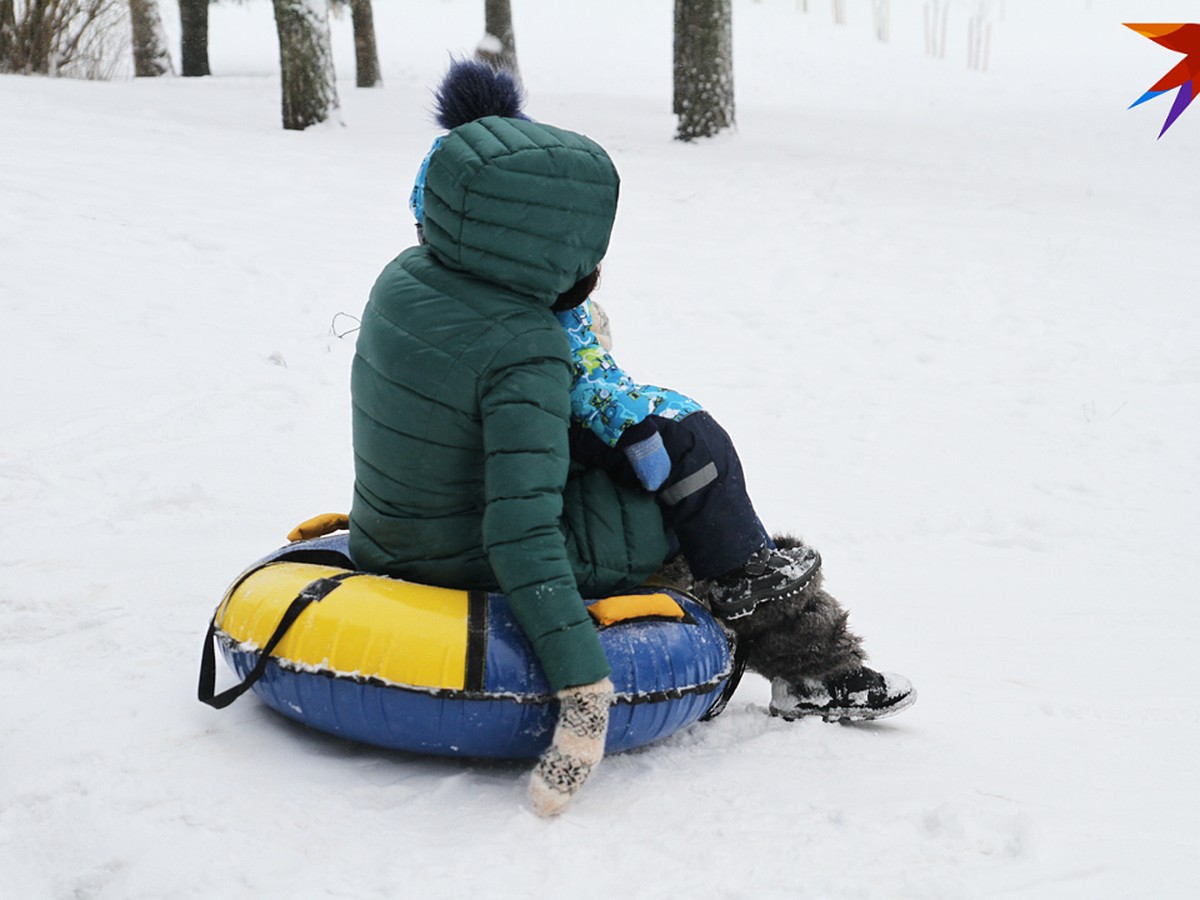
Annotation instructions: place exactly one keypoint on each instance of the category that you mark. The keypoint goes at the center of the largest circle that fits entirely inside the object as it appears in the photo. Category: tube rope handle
(741, 652)
(205, 693)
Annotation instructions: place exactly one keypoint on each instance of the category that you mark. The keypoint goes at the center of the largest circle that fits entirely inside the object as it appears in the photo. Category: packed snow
(947, 314)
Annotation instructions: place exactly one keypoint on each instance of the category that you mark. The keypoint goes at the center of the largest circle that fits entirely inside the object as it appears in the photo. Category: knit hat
(470, 90)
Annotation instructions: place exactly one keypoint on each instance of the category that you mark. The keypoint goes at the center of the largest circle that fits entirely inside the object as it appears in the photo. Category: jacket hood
(524, 205)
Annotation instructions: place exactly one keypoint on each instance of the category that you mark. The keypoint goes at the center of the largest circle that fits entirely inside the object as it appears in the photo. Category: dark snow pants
(703, 501)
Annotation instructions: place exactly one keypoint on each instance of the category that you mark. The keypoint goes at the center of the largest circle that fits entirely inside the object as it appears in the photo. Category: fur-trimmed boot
(859, 695)
(769, 576)
(802, 643)
(577, 747)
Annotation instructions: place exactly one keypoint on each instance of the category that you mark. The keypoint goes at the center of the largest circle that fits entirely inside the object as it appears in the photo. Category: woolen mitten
(577, 747)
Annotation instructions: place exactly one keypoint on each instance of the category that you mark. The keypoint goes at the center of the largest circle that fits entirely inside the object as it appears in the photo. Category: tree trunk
(366, 57)
(499, 47)
(305, 62)
(8, 35)
(150, 56)
(193, 23)
(678, 69)
(703, 68)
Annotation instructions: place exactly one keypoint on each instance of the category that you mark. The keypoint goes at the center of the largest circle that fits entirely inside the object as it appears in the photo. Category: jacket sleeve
(525, 409)
(604, 398)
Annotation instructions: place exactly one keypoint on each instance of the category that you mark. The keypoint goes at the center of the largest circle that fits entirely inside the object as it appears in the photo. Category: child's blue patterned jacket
(604, 398)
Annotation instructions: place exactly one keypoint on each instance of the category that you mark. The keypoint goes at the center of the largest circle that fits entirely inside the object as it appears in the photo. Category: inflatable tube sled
(448, 672)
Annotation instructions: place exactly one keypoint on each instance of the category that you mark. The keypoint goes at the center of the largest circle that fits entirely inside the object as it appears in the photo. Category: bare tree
(150, 56)
(8, 33)
(193, 26)
(499, 45)
(50, 37)
(366, 57)
(703, 67)
(306, 62)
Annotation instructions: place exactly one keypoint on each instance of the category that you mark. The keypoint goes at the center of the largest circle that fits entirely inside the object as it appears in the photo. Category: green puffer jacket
(461, 398)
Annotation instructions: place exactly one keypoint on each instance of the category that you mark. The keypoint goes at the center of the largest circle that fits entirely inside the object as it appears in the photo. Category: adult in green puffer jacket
(461, 395)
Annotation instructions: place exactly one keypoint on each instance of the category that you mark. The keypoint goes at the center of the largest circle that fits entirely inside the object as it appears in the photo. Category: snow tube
(448, 672)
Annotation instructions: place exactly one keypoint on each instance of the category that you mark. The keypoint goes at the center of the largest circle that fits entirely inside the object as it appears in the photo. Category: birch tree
(150, 56)
(306, 62)
(703, 68)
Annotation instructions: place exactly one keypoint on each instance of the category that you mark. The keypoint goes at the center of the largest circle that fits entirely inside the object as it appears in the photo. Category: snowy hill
(948, 315)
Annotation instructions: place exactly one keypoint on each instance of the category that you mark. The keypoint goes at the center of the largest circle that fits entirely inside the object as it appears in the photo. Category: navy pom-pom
(472, 90)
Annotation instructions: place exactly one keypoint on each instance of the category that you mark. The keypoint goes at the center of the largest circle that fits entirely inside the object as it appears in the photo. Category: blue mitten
(650, 461)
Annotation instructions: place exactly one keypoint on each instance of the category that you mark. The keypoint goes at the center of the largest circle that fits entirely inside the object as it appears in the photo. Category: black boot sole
(847, 713)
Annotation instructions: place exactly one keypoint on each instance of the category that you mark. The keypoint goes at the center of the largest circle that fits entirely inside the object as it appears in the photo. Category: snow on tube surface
(448, 672)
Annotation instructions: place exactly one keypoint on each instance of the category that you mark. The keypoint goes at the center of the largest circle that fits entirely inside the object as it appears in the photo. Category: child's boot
(801, 642)
(770, 575)
(855, 696)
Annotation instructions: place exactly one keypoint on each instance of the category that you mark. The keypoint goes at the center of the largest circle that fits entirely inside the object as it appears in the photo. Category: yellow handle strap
(319, 526)
(622, 608)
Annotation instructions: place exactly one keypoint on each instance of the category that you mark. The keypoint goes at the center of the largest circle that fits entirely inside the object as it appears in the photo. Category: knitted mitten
(577, 748)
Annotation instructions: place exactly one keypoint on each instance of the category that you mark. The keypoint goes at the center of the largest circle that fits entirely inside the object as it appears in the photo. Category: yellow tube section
(369, 626)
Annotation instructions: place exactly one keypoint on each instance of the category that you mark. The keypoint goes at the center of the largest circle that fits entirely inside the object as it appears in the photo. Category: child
(769, 591)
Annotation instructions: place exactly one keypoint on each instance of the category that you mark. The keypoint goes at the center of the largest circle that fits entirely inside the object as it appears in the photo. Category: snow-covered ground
(949, 317)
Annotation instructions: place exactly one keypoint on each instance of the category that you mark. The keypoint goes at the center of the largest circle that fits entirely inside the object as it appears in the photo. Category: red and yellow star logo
(1183, 39)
